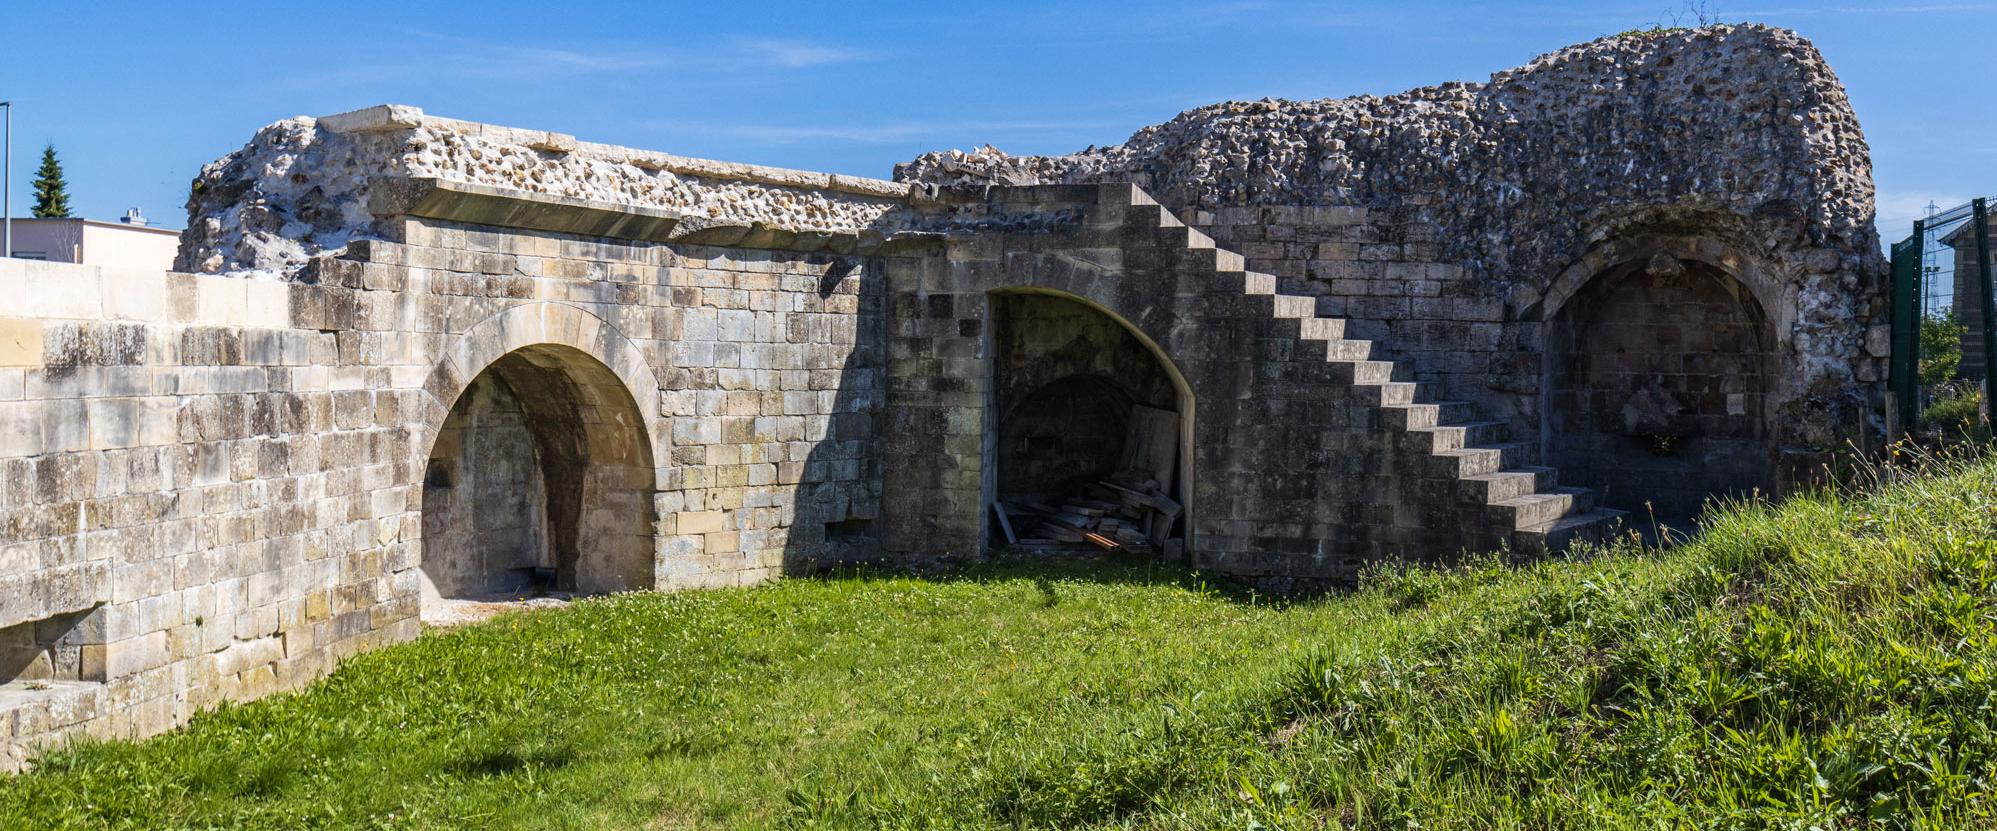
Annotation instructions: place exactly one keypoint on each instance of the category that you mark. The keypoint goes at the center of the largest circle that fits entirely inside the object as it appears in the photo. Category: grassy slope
(1827, 662)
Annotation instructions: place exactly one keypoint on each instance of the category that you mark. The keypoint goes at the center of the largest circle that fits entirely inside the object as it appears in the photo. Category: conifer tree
(51, 192)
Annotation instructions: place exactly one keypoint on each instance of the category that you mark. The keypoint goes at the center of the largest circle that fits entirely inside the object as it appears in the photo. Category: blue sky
(137, 96)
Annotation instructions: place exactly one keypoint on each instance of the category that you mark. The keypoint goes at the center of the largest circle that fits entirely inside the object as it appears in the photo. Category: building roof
(101, 223)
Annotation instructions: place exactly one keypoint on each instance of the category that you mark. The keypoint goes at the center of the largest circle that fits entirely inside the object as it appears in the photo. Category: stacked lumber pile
(1128, 512)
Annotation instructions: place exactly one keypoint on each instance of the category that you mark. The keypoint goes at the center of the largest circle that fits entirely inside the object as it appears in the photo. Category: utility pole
(7, 186)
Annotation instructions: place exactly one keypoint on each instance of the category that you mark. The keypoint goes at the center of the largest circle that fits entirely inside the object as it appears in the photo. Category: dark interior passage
(485, 502)
(1657, 389)
(541, 478)
(1080, 401)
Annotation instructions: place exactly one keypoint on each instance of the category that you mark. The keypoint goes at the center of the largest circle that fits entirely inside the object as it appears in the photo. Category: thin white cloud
(1898, 210)
(793, 54)
(455, 57)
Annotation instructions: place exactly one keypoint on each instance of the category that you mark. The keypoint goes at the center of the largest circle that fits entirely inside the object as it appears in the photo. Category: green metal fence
(1942, 272)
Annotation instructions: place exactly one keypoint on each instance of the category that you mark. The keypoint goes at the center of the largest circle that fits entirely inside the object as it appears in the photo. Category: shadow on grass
(505, 761)
(1048, 573)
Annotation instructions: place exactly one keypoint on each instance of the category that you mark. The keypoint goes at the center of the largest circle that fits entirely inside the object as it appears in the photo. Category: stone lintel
(46, 593)
(375, 119)
(474, 204)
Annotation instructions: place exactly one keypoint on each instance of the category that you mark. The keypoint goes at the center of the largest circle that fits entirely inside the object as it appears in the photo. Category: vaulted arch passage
(1657, 388)
(1089, 431)
(541, 478)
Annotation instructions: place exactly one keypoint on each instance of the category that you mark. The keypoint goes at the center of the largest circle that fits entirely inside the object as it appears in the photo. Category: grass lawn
(1831, 662)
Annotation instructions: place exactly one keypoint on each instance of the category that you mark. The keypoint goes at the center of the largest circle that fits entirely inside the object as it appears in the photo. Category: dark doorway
(1657, 389)
(1088, 435)
(541, 479)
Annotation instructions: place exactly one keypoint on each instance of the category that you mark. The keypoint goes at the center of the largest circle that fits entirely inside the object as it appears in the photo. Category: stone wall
(1448, 223)
(309, 185)
(215, 486)
(1303, 457)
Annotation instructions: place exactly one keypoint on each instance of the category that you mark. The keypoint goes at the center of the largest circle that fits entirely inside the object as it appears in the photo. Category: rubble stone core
(405, 358)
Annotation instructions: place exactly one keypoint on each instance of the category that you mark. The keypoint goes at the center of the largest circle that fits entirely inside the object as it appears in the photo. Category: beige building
(125, 244)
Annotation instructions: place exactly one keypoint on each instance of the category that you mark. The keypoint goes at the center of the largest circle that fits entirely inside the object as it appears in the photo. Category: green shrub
(1954, 417)
(1941, 348)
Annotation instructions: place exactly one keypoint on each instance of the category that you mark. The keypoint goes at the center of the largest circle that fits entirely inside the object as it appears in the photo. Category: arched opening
(1089, 445)
(1656, 388)
(540, 480)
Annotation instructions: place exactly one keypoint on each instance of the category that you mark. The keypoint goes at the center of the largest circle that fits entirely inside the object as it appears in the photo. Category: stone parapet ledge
(306, 186)
(386, 118)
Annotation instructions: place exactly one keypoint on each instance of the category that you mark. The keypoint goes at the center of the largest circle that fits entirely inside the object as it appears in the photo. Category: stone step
(1491, 488)
(1593, 526)
(1183, 237)
(1466, 462)
(1398, 393)
(1152, 217)
(1296, 306)
(1407, 416)
(1459, 436)
(1369, 373)
(1220, 260)
(1536, 510)
(1322, 328)
(1350, 350)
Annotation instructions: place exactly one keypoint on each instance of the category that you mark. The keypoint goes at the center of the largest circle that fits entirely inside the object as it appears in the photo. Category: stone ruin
(405, 360)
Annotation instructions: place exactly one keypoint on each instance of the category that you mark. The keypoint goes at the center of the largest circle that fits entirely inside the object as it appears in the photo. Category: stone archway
(1076, 392)
(1659, 375)
(542, 470)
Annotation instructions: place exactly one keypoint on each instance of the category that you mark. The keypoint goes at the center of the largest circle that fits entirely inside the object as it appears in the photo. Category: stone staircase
(1489, 472)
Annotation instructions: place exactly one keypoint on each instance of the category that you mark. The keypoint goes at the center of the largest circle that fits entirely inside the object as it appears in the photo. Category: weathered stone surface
(304, 185)
(1729, 138)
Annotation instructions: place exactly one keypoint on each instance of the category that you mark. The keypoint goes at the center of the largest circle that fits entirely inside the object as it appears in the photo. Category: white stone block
(134, 295)
(268, 304)
(30, 288)
(380, 117)
(221, 301)
(21, 341)
(114, 422)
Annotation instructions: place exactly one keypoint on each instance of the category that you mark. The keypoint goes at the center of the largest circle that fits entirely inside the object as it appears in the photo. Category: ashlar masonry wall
(213, 486)
(1449, 224)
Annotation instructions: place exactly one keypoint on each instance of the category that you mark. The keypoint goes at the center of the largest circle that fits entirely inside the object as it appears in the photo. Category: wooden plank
(1077, 520)
(1156, 501)
(1152, 444)
(1005, 522)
